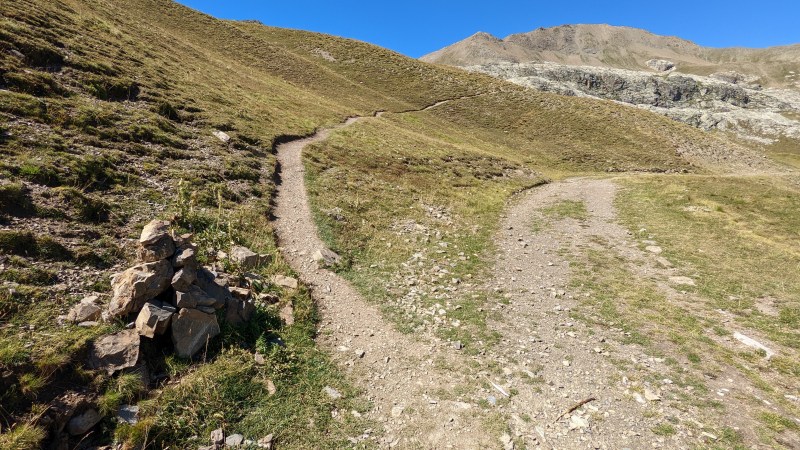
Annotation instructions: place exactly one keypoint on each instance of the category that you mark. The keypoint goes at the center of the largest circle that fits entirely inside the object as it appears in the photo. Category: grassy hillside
(108, 110)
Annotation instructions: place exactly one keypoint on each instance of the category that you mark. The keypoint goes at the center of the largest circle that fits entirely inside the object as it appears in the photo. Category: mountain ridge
(618, 47)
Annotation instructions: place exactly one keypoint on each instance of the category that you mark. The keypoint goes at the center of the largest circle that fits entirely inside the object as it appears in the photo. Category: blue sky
(414, 27)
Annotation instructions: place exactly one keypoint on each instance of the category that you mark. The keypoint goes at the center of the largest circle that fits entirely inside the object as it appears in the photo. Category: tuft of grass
(25, 243)
(85, 207)
(778, 423)
(664, 429)
(572, 209)
(23, 436)
(15, 199)
(123, 389)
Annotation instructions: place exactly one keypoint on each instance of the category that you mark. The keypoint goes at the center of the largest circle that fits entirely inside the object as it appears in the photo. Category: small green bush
(15, 199)
(84, 207)
(164, 109)
(25, 243)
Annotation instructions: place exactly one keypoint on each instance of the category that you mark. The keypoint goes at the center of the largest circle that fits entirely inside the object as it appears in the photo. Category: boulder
(661, 65)
(244, 257)
(284, 281)
(239, 311)
(214, 287)
(154, 232)
(81, 424)
(137, 285)
(185, 300)
(326, 258)
(154, 319)
(185, 256)
(184, 278)
(155, 242)
(222, 136)
(191, 330)
(85, 311)
(115, 351)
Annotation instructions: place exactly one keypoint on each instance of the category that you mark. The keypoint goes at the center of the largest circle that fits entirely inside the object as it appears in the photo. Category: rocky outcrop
(661, 65)
(725, 101)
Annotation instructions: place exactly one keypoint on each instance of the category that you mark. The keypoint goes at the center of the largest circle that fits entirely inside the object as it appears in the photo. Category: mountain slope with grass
(619, 47)
(118, 113)
(750, 92)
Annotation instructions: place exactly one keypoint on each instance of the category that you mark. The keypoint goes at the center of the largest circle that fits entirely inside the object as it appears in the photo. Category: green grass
(785, 150)
(737, 236)
(572, 209)
(664, 429)
(22, 437)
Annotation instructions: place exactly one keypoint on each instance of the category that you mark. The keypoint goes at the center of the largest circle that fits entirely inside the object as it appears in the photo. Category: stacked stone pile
(169, 294)
(166, 293)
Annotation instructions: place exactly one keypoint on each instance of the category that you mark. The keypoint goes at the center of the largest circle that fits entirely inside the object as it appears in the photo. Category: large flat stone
(191, 331)
(115, 351)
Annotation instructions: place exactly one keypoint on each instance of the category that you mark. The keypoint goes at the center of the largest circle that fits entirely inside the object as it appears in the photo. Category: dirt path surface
(553, 381)
(571, 361)
(397, 371)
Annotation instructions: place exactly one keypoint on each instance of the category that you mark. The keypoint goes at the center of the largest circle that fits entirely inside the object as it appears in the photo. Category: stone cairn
(170, 293)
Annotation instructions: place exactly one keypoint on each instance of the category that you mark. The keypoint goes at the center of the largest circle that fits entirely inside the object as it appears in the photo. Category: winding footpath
(397, 373)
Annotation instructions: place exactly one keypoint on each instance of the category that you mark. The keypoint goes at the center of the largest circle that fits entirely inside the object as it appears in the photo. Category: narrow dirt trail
(397, 371)
(568, 360)
(574, 360)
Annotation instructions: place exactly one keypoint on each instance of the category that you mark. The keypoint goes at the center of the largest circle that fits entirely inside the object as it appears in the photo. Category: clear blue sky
(415, 27)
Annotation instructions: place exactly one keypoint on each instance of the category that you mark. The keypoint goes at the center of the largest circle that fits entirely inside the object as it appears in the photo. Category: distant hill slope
(620, 48)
